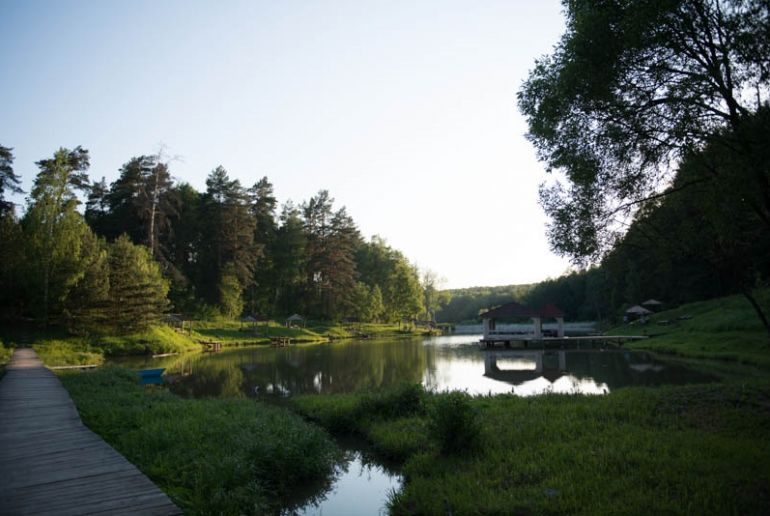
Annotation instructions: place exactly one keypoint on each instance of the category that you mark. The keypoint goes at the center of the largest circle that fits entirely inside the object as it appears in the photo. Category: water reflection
(361, 487)
(439, 363)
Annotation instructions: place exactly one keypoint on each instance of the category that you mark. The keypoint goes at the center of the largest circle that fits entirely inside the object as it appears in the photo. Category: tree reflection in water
(444, 363)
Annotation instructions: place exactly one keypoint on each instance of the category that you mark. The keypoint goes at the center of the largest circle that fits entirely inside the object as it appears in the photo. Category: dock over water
(50, 463)
(535, 342)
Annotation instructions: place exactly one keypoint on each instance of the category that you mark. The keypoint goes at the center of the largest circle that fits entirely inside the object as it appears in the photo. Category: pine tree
(86, 306)
(142, 203)
(289, 254)
(137, 289)
(183, 246)
(227, 235)
(263, 203)
(8, 180)
(332, 242)
(12, 292)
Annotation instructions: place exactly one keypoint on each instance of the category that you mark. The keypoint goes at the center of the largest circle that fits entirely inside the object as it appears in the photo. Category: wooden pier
(50, 463)
(212, 346)
(533, 342)
(280, 341)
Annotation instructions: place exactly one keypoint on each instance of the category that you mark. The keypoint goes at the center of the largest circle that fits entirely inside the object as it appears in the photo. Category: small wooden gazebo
(178, 321)
(637, 312)
(295, 319)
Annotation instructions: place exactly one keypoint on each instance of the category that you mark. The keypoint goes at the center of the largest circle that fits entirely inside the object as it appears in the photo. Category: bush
(402, 401)
(454, 423)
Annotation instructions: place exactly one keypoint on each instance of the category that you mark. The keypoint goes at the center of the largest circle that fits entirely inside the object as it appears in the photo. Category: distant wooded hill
(465, 303)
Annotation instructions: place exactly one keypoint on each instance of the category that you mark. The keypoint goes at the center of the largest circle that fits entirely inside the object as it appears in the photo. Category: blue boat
(151, 376)
(148, 373)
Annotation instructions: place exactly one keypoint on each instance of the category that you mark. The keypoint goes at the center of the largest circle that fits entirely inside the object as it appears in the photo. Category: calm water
(439, 363)
(361, 485)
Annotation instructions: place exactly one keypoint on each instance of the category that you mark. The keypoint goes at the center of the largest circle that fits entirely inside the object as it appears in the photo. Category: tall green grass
(156, 340)
(56, 349)
(698, 449)
(65, 352)
(211, 456)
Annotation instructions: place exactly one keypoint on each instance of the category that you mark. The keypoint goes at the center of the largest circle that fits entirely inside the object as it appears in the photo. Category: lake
(438, 363)
(361, 483)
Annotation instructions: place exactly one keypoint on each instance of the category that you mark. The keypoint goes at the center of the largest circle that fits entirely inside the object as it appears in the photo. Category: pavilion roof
(638, 310)
(515, 309)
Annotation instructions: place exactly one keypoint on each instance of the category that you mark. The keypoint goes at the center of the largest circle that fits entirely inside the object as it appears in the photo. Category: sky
(404, 110)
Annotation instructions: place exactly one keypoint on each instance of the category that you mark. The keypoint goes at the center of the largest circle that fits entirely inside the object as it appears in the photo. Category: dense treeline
(146, 244)
(465, 304)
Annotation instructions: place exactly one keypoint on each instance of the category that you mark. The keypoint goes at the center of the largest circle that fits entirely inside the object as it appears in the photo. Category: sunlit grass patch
(64, 352)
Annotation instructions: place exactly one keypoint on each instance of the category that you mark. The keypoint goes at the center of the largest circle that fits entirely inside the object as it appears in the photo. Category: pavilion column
(490, 363)
(538, 361)
(560, 331)
(562, 360)
(538, 327)
(487, 327)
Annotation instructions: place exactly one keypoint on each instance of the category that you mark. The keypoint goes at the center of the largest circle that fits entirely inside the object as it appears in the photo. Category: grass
(66, 352)
(5, 356)
(724, 329)
(5, 353)
(156, 340)
(695, 449)
(232, 332)
(58, 348)
(223, 456)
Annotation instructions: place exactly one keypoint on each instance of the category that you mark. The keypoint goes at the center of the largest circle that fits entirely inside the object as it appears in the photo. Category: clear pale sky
(404, 110)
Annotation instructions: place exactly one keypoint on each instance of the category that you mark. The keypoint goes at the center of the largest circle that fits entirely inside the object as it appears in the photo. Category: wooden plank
(50, 463)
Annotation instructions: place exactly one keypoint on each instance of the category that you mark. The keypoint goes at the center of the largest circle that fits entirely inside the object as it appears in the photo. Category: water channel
(438, 363)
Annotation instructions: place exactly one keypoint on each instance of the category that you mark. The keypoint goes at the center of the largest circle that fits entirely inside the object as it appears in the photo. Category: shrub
(402, 401)
(454, 423)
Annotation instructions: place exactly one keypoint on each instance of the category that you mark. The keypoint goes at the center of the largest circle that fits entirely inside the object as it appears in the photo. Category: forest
(653, 121)
(147, 244)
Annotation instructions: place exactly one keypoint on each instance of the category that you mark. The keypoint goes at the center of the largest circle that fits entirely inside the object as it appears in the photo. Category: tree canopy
(147, 244)
(629, 90)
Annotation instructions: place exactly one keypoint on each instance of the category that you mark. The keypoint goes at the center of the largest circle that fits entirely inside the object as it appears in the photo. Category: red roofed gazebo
(517, 311)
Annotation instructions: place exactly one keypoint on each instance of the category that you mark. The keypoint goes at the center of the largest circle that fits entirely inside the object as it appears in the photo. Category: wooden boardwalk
(50, 463)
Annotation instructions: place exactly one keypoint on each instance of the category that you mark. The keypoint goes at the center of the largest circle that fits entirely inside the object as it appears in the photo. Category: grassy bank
(5, 356)
(63, 350)
(211, 456)
(5, 353)
(230, 332)
(58, 348)
(724, 329)
(696, 449)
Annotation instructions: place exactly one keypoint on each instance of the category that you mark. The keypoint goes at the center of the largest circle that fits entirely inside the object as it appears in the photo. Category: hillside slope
(725, 328)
